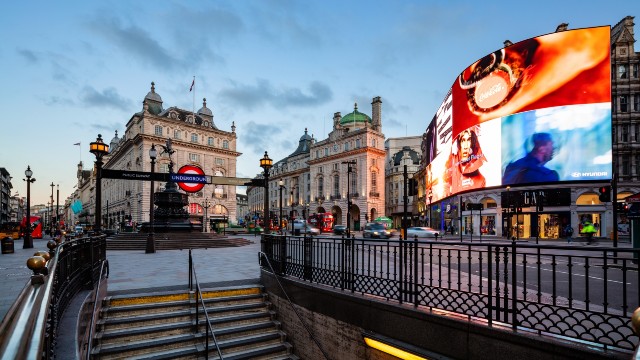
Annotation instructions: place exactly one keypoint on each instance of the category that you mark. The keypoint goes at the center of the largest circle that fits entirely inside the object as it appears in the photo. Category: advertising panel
(538, 111)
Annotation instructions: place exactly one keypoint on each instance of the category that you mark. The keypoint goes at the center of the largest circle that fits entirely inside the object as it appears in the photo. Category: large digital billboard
(538, 111)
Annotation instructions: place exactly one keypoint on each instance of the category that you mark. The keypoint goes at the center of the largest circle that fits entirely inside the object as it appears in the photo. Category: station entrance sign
(190, 178)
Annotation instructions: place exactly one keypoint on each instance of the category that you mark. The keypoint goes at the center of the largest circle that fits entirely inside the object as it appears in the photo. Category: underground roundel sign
(190, 178)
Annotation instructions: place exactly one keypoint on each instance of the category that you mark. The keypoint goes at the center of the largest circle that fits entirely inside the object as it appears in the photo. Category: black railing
(199, 302)
(584, 293)
(29, 329)
(99, 293)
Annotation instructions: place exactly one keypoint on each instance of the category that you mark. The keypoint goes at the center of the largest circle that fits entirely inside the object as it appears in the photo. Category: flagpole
(194, 99)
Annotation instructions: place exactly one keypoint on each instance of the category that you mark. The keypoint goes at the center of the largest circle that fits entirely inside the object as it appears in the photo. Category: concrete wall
(339, 319)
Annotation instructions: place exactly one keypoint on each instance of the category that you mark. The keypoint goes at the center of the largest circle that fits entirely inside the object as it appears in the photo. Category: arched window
(158, 130)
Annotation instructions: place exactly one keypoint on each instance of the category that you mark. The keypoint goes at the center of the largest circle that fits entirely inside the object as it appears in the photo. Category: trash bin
(7, 245)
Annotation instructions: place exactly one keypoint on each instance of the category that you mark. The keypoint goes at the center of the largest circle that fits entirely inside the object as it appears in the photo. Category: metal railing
(577, 293)
(199, 301)
(99, 293)
(262, 255)
(29, 329)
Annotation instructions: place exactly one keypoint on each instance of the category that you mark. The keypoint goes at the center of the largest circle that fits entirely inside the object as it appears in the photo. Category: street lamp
(151, 243)
(58, 207)
(266, 163)
(430, 197)
(28, 241)
(349, 170)
(51, 212)
(280, 187)
(99, 149)
(206, 205)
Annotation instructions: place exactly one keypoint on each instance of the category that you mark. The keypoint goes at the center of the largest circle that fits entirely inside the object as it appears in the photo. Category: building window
(346, 146)
(210, 141)
(335, 166)
(354, 182)
(625, 165)
(220, 162)
(623, 103)
(320, 186)
(317, 154)
(636, 102)
(176, 134)
(335, 148)
(194, 138)
(625, 133)
(622, 71)
(164, 168)
(336, 185)
(158, 130)
(194, 157)
(320, 169)
(326, 151)
(637, 132)
(634, 71)
(374, 181)
(357, 143)
(373, 142)
(225, 144)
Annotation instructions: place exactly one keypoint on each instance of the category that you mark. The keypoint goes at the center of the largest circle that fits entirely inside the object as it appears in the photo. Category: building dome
(113, 145)
(355, 118)
(153, 100)
(204, 110)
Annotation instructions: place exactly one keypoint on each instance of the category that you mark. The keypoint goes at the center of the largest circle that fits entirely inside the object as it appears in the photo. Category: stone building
(399, 152)
(319, 176)
(196, 140)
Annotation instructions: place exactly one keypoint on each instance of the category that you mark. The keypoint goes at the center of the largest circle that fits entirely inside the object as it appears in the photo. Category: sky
(71, 70)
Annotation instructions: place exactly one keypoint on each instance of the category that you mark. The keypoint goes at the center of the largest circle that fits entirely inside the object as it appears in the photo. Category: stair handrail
(199, 298)
(304, 325)
(88, 340)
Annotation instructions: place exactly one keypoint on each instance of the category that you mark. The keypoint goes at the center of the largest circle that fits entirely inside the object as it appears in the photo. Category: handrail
(192, 272)
(28, 330)
(262, 254)
(89, 341)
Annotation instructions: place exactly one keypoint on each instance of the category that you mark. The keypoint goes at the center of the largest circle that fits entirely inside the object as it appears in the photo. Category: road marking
(564, 272)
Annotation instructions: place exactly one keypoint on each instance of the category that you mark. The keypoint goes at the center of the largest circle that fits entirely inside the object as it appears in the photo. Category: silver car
(422, 232)
(308, 229)
(375, 230)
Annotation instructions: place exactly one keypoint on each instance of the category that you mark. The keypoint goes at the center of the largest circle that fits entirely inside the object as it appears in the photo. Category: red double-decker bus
(36, 227)
(323, 221)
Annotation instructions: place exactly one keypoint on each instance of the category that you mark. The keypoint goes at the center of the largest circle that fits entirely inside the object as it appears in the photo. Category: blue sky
(74, 69)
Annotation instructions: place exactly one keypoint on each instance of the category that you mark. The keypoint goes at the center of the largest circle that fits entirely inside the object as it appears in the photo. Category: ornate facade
(196, 141)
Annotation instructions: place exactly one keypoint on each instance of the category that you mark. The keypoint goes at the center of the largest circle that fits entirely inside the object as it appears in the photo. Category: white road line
(564, 272)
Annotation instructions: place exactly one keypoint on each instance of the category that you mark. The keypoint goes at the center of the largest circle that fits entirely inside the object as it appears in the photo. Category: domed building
(196, 141)
(320, 178)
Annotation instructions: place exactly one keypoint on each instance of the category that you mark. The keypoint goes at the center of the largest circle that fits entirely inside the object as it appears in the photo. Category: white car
(308, 229)
(421, 232)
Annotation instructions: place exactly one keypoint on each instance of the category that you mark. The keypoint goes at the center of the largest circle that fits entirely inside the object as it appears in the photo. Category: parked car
(422, 232)
(340, 229)
(375, 230)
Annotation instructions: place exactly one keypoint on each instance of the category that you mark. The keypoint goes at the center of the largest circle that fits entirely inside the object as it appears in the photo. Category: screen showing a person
(538, 111)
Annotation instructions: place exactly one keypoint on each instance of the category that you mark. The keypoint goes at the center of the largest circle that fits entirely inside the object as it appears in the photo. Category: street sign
(190, 178)
(133, 175)
(221, 180)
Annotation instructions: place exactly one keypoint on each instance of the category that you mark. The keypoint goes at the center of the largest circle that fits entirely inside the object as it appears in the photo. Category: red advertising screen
(538, 111)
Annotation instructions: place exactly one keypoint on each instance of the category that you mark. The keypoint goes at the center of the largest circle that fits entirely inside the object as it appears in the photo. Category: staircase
(173, 241)
(162, 326)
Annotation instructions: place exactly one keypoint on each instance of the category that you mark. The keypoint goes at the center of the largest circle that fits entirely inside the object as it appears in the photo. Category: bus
(323, 221)
(36, 227)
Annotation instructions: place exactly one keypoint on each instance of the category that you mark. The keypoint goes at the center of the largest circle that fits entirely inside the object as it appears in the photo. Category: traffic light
(605, 193)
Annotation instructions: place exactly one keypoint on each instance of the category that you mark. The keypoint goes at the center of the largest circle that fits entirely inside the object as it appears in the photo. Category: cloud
(57, 100)
(107, 128)
(254, 96)
(259, 136)
(29, 55)
(286, 23)
(108, 98)
(136, 42)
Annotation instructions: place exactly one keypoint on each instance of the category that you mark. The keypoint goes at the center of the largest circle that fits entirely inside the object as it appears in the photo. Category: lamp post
(58, 207)
(430, 197)
(266, 163)
(349, 170)
(280, 187)
(99, 149)
(206, 205)
(28, 241)
(151, 242)
(51, 212)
